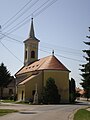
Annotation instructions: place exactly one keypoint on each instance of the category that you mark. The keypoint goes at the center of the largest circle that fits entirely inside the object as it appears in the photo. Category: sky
(60, 25)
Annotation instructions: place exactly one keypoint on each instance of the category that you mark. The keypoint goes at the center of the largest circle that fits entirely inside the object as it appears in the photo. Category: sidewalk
(88, 109)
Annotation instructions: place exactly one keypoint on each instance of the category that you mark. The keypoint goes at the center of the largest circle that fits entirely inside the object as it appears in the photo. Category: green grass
(7, 101)
(6, 111)
(82, 114)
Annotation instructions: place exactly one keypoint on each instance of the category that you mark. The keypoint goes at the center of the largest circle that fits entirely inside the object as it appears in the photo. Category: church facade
(35, 72)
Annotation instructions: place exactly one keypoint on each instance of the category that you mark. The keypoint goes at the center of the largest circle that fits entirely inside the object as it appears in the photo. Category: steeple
(31, 47)
(32, 34)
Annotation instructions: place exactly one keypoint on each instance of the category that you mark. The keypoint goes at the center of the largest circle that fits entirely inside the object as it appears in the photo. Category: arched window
(32, 54)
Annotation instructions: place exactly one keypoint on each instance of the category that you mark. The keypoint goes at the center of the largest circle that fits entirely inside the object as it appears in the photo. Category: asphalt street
(40, 112)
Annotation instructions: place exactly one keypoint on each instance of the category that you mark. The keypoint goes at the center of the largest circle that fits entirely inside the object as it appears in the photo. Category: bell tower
(31, 47)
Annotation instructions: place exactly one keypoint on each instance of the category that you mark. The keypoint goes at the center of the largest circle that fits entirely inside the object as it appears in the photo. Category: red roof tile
(26, 80)
(47, 63)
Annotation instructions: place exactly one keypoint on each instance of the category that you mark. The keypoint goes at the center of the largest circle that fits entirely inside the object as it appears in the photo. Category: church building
(35, 72)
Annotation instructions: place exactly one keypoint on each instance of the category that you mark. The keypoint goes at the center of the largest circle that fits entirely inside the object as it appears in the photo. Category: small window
(26, 54)
(32, 54)
(10, 91)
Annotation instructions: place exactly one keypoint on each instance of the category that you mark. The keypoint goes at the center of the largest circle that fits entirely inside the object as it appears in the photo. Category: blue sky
(63, 26)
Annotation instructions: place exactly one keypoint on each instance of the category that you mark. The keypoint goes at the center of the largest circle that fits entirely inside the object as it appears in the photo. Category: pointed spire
(32, 34)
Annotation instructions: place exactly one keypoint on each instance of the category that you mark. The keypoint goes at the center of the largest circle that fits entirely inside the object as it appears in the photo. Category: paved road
(39, 112)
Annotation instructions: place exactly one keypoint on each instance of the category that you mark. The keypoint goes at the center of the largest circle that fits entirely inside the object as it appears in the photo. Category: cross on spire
(52, 52)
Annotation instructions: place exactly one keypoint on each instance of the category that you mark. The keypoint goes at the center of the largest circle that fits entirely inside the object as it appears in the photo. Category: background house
(10, 90)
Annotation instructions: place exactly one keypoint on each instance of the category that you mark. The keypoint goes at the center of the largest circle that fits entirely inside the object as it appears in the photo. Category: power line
(11, 38)
(41, 45)
(40, 50)
(37, 15)
(20, 15)
(63, 56)
(16, 13)
(70, 58)
(60, 46)
(20, 24)
(45, 8)
(65, 51)
(26, 18)
(11, 52)
(45, 46)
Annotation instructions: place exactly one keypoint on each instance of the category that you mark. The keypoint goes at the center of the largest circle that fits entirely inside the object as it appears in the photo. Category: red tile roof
(81, 91)
(29, 78)
(26, 80)
(47, 63)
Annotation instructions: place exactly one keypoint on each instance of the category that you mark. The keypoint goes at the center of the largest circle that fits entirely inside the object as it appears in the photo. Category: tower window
(32, 54)
(26, 54)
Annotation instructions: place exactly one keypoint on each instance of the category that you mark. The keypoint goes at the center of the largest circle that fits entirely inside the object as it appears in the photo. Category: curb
(71, 116)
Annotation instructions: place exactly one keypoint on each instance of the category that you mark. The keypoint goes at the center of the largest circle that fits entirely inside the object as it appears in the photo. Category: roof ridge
(47, 63)
(29, 78)
(45, 57)
(43, 62)
(60, 62)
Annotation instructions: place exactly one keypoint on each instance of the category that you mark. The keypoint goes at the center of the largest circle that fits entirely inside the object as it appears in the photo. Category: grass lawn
(6, 111)
(82, 114)
(7, 101)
